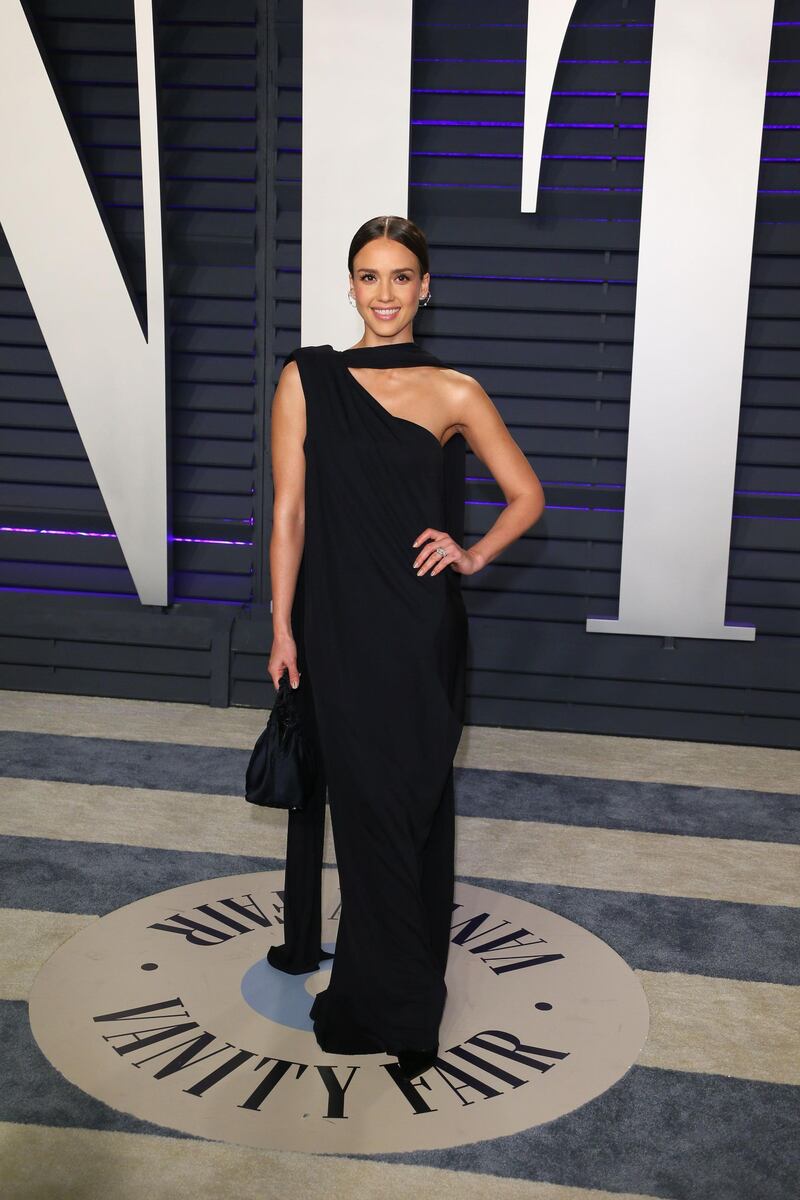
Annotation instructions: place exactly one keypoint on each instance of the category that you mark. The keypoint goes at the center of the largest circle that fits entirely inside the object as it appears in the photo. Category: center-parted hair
(399, 229)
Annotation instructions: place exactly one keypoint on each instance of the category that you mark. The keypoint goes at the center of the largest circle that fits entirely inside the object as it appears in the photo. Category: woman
(369, 621)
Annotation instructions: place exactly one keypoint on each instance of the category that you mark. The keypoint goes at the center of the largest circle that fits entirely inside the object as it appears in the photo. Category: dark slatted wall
(207, 89)
(539, 307)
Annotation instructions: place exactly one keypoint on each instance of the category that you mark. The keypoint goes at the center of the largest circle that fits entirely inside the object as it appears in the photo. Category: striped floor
(682, 856)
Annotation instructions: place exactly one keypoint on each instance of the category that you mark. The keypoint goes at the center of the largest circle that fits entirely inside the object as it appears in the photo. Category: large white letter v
(114, 377)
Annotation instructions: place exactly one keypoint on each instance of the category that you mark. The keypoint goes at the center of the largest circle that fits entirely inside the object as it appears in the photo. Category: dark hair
(399, 229)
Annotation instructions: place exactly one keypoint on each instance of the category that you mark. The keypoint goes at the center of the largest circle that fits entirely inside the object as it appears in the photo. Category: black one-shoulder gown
(382, 656)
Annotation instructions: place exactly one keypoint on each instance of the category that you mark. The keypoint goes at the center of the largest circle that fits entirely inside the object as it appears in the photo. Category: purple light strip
(609, 95)
(470, 60)
(511, 187)
(611, 61)
(555, 157)
(584, 508)
(608, 487)
(560, 483)
(510, 92)
(549, 125)
(519, 124)
(118, 595)
(564, 157)
(639, 62)
(749, 492)
(577, 483)
(94, 533)
(519, 25)
(539, 278)
(514, 187)
(593, 508)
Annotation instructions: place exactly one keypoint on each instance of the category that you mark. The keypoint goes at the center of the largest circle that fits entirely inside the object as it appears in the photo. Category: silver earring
(352, 299)
(424, 300)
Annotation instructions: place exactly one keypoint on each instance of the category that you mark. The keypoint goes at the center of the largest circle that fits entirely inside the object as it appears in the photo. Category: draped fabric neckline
(392, 354)
(399, 354)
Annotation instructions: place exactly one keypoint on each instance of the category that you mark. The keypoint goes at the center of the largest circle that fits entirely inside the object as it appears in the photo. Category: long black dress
(382, 656)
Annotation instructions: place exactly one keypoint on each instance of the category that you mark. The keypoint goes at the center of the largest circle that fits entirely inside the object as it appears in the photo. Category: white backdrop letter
(113, 377)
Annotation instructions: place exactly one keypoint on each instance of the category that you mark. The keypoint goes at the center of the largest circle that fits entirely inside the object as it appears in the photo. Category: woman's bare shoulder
(290, 378)
(456, 380)
(459, 390)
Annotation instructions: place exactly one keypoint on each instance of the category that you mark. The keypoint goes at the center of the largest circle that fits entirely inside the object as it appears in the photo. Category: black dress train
(382, 656)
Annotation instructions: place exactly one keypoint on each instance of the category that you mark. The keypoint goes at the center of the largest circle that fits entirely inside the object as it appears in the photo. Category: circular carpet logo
(168, 1010)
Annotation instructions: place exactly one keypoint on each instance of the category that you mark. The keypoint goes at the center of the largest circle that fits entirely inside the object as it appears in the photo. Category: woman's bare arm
(288, 431)
(488, 437)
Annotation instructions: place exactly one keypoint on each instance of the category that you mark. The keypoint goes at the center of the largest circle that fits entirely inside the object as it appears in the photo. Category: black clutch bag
(283, 765)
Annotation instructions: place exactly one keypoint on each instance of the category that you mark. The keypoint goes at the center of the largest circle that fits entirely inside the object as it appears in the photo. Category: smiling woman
(369, 620)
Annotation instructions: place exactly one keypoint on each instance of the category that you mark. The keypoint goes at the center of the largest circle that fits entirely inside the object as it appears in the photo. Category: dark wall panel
(538, 307)
(208, 69)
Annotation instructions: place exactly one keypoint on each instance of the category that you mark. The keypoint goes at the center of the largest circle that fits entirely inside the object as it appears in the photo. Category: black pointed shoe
(413, 1062)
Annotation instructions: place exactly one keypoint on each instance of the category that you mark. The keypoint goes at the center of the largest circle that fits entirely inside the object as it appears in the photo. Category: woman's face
(387, 285)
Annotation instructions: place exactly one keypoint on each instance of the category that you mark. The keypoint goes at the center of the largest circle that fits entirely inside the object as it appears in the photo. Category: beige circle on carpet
(166, 1009)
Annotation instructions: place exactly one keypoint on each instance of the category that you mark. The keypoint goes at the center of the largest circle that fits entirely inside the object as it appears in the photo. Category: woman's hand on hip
(454, 556)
